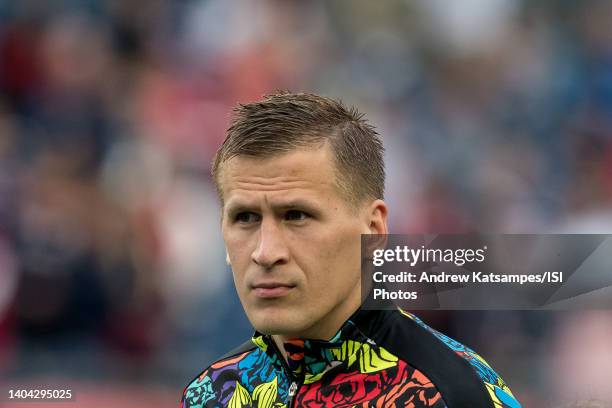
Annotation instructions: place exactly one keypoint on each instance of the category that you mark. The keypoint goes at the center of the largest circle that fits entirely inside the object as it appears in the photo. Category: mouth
(268, 290)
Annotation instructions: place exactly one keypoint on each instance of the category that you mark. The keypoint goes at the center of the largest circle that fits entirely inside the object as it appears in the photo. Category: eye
(247, 217)
(295, 215)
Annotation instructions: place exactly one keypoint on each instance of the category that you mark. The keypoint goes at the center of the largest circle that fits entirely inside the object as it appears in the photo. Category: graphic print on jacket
(377, 359)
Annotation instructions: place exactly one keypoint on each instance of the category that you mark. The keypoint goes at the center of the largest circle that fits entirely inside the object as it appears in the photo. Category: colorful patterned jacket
(377, 359)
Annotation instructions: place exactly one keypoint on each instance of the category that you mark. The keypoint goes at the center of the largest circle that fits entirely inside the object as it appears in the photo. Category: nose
(271, 249)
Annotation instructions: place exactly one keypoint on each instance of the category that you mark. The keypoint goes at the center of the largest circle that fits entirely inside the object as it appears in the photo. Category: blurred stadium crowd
(496, 115)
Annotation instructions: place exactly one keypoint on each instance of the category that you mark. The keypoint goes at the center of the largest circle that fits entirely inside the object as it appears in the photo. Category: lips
(272, 289)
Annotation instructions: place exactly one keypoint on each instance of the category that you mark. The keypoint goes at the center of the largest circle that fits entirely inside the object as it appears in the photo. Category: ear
(376, 218)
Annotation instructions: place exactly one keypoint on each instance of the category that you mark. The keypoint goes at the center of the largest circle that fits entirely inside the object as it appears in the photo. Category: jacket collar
(309, 359)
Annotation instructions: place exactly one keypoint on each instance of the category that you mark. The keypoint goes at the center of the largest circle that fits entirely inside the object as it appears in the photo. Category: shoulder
(205, 386)
(460, 373)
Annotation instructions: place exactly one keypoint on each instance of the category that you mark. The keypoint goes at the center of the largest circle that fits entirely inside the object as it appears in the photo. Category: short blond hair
(283, 122)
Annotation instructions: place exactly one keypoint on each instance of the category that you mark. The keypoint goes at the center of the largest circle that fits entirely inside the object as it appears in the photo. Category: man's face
(293, 242)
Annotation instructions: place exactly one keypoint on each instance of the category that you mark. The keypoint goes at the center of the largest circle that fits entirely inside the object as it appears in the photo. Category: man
(300, 178)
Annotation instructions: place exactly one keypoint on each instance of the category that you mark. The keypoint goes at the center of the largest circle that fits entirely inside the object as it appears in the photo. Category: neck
(279, 341)
(322, 332)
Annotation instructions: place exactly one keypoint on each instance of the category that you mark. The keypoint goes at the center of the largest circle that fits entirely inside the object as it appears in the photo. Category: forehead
(298, 170)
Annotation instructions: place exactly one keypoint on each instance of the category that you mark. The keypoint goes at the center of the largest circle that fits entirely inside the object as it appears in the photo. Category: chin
(275, 324)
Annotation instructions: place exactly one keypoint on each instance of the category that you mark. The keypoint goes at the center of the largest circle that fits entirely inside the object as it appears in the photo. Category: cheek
(348, 240)
(239, 254)
(339, 254)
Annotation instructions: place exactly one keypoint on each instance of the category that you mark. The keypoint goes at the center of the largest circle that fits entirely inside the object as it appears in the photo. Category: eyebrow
(297, 203)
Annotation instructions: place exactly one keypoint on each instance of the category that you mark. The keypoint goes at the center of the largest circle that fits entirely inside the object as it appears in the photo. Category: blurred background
(496, 116)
